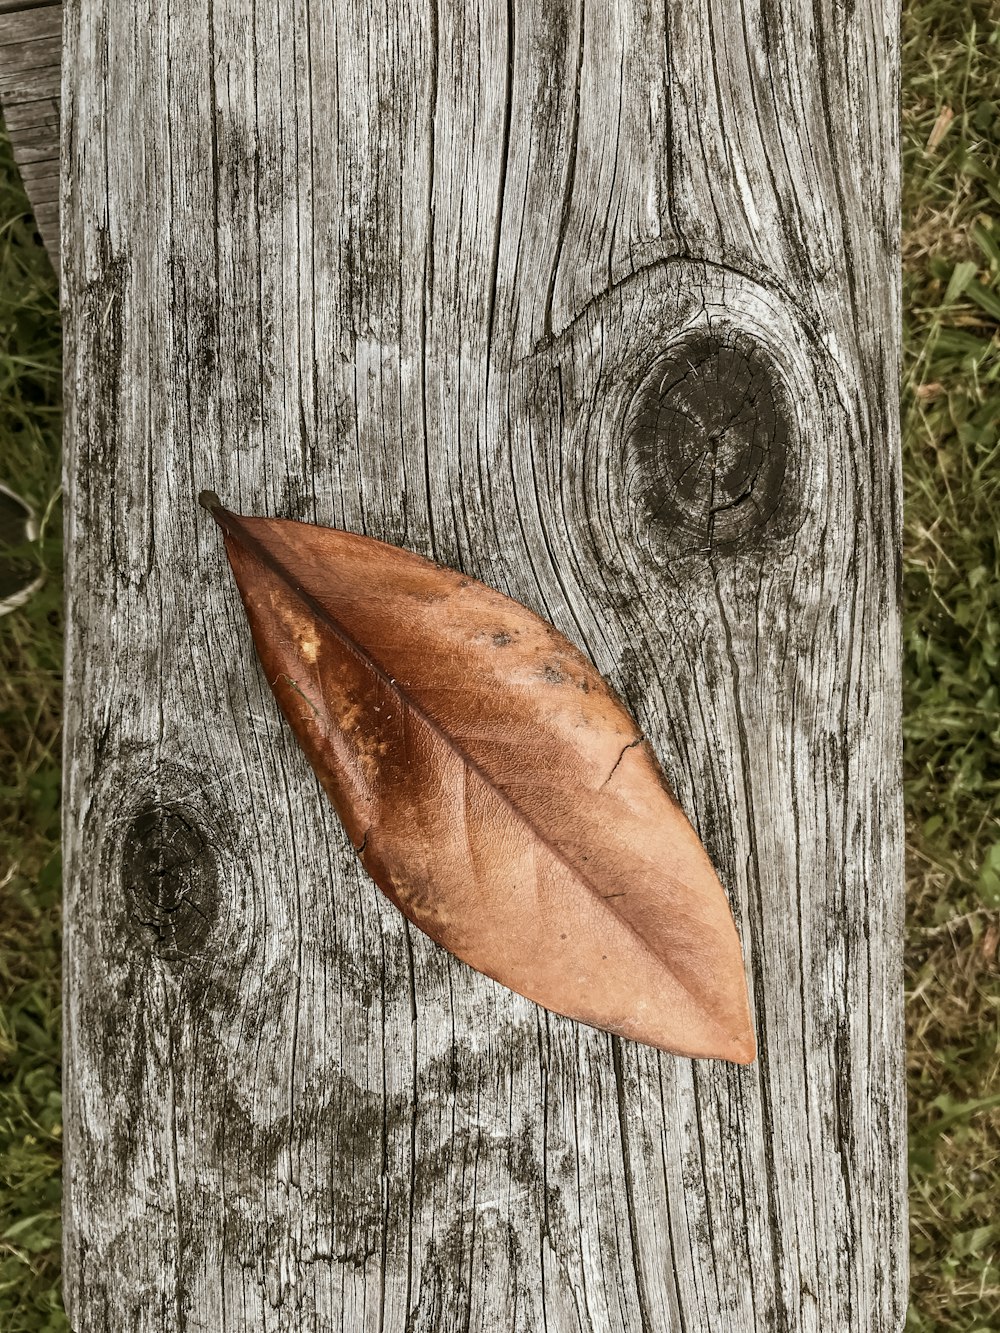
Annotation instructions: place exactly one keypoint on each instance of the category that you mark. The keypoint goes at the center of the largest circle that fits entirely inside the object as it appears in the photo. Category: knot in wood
(710, 436)
(170, 876)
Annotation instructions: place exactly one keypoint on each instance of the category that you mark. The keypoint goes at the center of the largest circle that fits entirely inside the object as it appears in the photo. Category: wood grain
(30, 56)
(600, 305)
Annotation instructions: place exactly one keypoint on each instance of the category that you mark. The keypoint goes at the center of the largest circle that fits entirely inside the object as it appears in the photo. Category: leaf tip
(210, 501)
(745, 1050)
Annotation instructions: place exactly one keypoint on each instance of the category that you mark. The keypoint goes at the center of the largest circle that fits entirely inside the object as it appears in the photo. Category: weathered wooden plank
(34, 142)
(30, 63)
(599, 304)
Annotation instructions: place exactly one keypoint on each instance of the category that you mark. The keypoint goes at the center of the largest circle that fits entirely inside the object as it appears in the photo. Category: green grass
(30, 706)
(951, 416)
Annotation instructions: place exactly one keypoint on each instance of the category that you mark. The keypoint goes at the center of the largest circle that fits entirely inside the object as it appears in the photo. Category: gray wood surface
(30, 56)
(600, 304)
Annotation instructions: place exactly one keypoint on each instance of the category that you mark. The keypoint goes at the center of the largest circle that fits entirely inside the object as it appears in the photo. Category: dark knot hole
(170, 877)
(711, 437)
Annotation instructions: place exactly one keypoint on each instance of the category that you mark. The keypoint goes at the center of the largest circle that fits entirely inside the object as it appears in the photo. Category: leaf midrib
(234, 527)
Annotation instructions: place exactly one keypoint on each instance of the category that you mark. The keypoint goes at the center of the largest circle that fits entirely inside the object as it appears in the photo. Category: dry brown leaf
(493, 786)
(940, 128)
